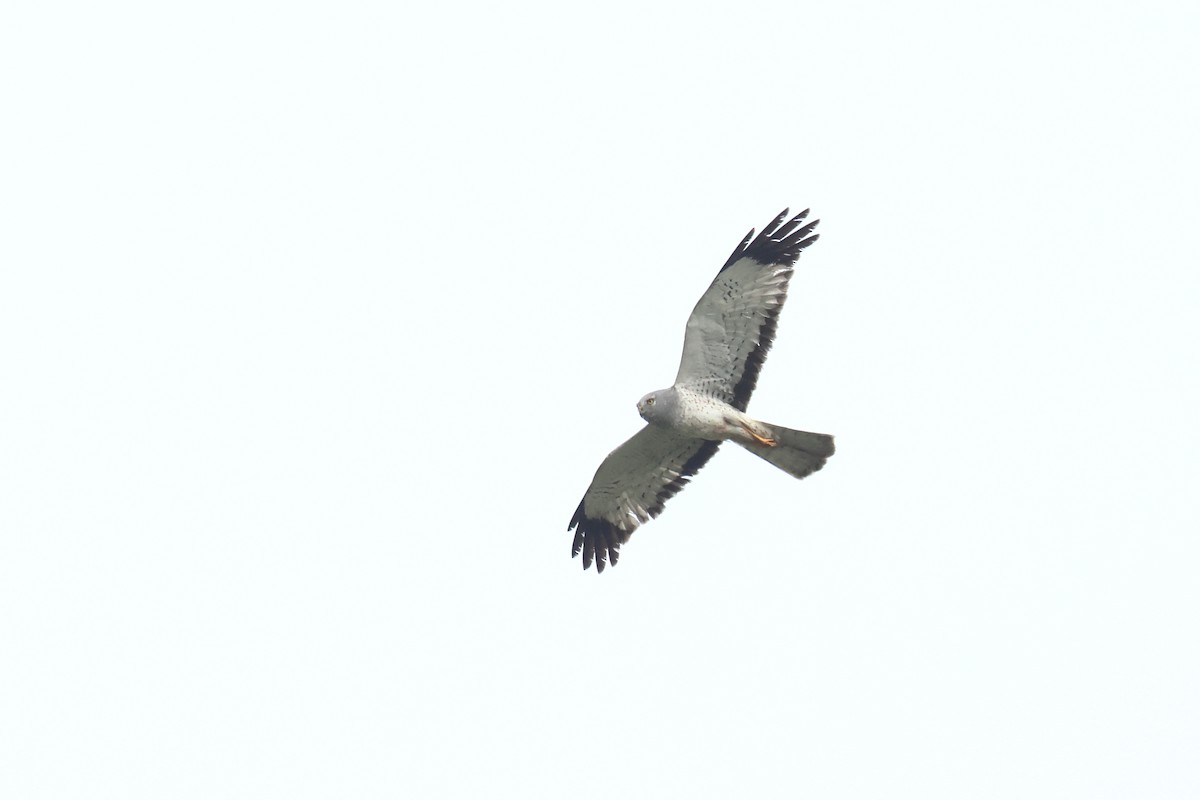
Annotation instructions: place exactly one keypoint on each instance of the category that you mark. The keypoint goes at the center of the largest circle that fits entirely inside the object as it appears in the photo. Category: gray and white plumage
(727, 339)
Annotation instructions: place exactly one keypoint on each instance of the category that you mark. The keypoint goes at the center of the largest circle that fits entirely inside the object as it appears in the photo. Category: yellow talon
(763, 440)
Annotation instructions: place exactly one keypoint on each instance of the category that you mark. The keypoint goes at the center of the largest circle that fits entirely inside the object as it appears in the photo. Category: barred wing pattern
(631, 486)
(732, 327)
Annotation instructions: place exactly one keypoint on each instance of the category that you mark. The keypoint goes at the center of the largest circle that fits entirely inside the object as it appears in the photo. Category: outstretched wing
(631, 487)
(732, 327)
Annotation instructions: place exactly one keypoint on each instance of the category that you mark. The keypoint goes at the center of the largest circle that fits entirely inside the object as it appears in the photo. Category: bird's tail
(798, 453)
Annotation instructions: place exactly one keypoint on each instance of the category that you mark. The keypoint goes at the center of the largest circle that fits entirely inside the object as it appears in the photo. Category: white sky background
(316, 320)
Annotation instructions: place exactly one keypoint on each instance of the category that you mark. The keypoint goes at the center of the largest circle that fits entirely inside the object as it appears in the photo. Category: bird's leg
(763, 440)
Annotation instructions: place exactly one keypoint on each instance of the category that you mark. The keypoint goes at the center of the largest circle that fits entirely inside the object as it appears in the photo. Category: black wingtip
(596, 539)
(775, 223)
(779, 243)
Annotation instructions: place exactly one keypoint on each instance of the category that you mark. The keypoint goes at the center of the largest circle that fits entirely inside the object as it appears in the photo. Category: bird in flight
(727, 339)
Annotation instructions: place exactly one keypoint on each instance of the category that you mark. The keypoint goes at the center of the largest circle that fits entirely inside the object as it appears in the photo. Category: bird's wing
(631, 487)
(733, 325)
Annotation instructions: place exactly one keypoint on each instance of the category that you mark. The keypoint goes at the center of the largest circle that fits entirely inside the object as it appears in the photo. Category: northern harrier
(727, 339)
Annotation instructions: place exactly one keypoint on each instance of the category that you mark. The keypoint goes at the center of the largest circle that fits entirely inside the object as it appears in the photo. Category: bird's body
(727, 339)
(694, 412)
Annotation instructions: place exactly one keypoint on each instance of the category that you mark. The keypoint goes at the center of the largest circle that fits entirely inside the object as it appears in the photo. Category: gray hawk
(727, 339)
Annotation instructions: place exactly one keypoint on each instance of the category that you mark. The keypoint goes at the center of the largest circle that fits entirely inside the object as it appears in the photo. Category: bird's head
(652, 407)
